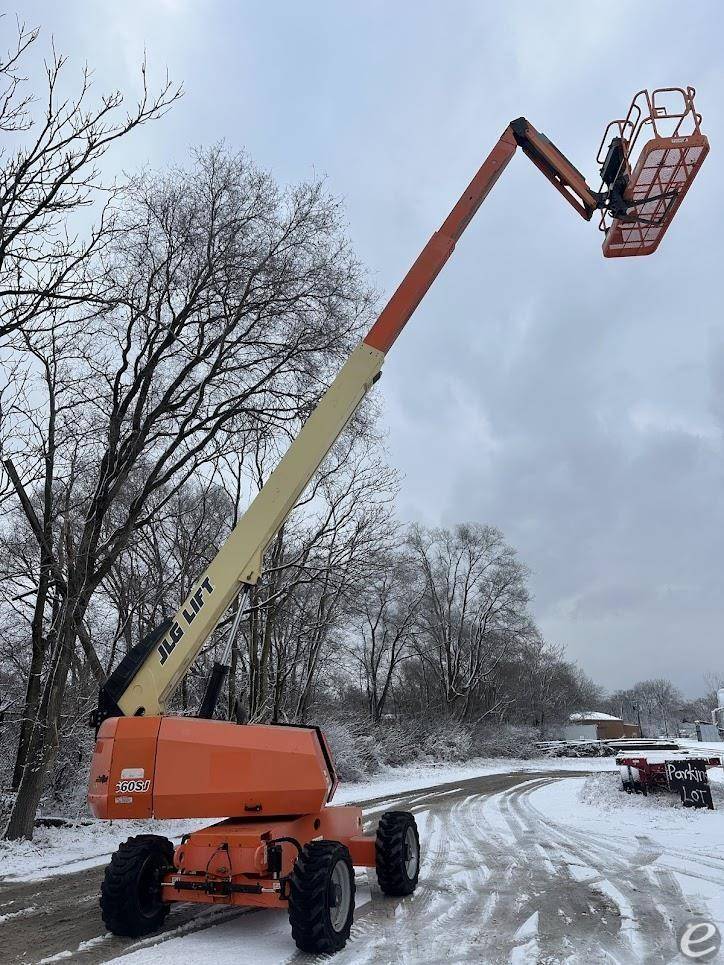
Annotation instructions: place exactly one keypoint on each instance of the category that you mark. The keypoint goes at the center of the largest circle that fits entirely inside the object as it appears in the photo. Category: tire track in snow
(538, 900)
(651, 904)
(610, 879)
(378, 926)
(500, 880)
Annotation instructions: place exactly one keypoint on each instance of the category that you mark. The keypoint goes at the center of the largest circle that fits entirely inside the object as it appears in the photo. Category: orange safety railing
(666, 127)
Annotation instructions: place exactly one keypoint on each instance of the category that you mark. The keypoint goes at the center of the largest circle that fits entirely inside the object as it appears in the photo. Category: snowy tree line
(660, 708)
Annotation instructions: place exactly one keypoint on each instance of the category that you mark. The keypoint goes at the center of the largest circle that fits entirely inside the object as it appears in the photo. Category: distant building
(708, 732)
(686, 728)
(598, 727)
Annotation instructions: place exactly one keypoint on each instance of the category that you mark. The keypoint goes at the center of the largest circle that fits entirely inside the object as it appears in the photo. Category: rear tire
(321, 897)
(397, 853)
(131, 891)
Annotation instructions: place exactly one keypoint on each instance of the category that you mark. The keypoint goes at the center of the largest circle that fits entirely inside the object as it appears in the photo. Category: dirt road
(499, 883)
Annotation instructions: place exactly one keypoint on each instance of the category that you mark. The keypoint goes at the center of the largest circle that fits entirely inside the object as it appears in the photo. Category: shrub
(506, 740)
(592, 749)
(354, 753)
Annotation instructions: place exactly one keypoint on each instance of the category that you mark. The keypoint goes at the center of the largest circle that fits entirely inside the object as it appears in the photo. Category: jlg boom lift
(282, 843)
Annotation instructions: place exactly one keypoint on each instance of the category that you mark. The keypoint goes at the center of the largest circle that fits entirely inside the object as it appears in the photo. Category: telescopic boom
(147, 677)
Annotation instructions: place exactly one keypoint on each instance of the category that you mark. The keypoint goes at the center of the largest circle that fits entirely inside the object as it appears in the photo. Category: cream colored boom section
(240, 558)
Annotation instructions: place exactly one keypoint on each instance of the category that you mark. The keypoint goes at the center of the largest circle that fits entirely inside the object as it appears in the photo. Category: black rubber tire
(310, 897)
(131, 891)
(391, 853)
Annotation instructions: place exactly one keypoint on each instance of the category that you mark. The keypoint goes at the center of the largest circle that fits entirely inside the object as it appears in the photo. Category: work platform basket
(648, 162)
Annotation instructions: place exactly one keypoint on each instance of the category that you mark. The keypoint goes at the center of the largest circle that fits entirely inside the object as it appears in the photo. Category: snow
(403, 779)
(545, 850)
(593, 716)
(23, 913)
(689, 843)
(556, 870)
(263, 939)
(660, 757)
(702, 747)
(57, 851)
(528, 953)
(529, 928)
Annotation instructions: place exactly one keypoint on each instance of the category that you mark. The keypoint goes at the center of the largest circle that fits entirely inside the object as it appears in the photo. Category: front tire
(321, 897)
(130, 901)
(397, 852)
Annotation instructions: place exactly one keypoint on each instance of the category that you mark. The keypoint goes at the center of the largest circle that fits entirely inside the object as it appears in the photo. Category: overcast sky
(575, 402)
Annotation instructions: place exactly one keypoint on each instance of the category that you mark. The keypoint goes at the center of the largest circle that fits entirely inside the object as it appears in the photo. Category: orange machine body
(272, 783)
(185, 767)
(228, 863)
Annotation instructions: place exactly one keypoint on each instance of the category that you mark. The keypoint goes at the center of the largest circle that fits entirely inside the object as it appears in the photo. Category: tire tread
(389, 853)
(307, 897)
(117, 900)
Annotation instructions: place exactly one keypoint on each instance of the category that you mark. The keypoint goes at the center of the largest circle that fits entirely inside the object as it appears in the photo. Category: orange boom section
(173, 767)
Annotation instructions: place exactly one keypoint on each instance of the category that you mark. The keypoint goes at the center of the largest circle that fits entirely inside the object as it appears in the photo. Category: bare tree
(42, 586)
(383, 628)
(661, 700)
(472, 610)
(49, 172)
(229, 303)
(156, 571)
(317, 568)
(713, 682)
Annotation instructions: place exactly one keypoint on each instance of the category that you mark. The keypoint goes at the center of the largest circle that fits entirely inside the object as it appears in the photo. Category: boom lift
(283, 844)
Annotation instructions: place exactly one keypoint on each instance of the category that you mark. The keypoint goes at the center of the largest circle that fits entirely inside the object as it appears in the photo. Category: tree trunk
(30, 706)
(32, 692)
(43, 747)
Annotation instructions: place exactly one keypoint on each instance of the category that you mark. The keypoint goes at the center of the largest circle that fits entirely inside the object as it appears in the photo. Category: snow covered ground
(544, 866)
(596, 828)
(708, 747)
(549, 871)
(57, 851)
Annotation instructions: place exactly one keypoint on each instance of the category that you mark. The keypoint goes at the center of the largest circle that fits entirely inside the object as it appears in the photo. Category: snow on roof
(594, 715)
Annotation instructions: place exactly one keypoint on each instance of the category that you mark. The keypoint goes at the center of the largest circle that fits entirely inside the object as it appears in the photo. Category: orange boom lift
(282, 843)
